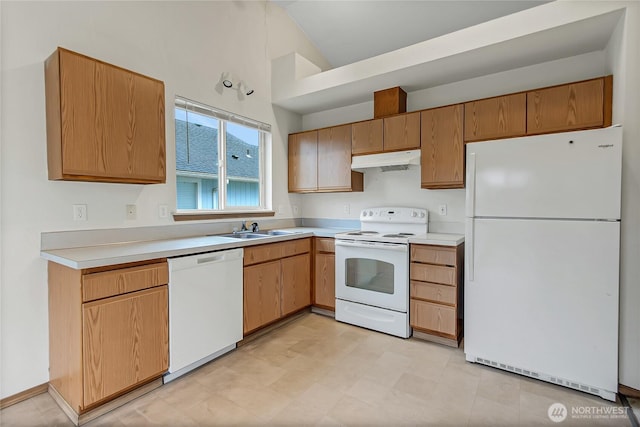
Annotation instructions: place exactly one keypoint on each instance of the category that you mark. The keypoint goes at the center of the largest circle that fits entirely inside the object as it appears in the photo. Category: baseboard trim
(23, 395)
(278, 324)
(323, 311)
(628, 391)
(85, 417)
(434, 338)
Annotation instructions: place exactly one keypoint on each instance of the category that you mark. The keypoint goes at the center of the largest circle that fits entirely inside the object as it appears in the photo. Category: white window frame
(264, 150)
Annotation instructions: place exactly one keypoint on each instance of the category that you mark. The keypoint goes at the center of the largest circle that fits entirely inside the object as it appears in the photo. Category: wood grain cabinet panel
(366, 137)
(296, 283)
(402, 132)
(277, 281)
(334, 158)
(435, 317)
(442, 148)
(436, 292)
(100, 349)
(125, 342)
(574, 106)
(494, 118)
(324, 287)
(104, 123)
(261, 295)
(303, 162)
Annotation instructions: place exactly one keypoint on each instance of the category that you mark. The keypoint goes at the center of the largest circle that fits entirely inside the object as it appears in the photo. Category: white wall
(403, 187)
(623, 61)
(185, 44)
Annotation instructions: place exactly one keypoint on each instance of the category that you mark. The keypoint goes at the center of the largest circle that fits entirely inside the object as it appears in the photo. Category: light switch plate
(132, 211)
(442, 210)
(79, 212)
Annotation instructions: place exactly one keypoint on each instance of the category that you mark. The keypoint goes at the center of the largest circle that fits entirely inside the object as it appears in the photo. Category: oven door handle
(372, 245)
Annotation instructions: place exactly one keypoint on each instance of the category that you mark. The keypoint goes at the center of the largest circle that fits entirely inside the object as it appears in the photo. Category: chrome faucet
(244, 226)
(254, 227)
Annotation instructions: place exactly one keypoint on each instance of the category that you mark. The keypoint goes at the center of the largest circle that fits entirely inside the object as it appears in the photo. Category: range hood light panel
(393, 161)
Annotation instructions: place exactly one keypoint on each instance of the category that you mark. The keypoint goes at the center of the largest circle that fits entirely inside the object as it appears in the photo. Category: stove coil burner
(397, 235)
(362, 233)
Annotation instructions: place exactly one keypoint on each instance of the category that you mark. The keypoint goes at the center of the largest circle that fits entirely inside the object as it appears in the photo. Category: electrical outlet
(163, 211)
(442, 210)
(346, 208)
(79, 212)
(132, 211)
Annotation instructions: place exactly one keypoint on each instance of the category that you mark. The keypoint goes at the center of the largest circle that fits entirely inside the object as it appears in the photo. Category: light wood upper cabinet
(402, 132)
(125, 342)
(104, 123)
(320, 161)
(296, 283)
(303, 161)
(442, 148)
(366, 137)
(568, 107)
(493, 118)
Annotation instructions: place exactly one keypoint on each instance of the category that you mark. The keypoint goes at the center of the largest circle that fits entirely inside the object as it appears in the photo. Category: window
(220, 160)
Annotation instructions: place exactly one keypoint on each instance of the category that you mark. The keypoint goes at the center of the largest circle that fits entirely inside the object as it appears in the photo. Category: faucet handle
(244, 225)
(254, 227)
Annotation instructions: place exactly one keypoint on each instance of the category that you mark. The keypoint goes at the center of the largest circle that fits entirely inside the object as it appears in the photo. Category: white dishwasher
(205, 308)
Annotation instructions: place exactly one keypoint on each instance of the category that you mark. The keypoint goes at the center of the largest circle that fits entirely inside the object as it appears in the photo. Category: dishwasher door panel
(205, 306)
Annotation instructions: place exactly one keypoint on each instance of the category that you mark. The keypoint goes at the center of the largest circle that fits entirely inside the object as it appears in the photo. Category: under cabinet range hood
(396, 160)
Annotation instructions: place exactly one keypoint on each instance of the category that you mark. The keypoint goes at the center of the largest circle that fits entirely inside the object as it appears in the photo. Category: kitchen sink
(276, 233)
(245, 235)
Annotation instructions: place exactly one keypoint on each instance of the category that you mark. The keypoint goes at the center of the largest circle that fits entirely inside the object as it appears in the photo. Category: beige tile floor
(316, 371)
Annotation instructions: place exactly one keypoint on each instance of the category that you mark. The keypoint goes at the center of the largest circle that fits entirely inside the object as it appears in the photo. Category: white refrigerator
(542, 246)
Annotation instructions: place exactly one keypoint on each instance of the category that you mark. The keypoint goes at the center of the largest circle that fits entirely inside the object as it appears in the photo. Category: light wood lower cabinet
(108, 330)
(261, 294)
(277, 282)
(436, 296)
(324, 284)
(126, 338)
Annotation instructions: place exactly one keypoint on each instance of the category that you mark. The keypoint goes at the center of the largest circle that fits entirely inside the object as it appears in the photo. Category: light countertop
(124, 252)
(441, 239)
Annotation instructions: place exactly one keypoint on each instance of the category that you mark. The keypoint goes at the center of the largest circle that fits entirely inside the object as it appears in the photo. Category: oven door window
(369, 274)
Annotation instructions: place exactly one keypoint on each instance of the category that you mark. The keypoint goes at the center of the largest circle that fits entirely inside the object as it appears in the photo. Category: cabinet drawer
(433, 273)
(115, 282)
(295, 247)
(433, 292)
(434, 317)
(324, 244)
(433, 254)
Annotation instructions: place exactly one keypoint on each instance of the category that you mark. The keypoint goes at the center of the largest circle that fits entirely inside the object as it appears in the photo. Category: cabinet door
(567, 107)
(125, 342)
(366, 137)
(402, 132)
(334, 158)
(112, 122)
(130, 126)
(324, 284)
(433, 317)
(296, 283)
(303, 162)
(493, 118)
(261, 300)
(442, 156)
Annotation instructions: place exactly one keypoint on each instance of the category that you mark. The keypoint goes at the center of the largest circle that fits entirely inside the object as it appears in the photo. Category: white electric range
(372, 269)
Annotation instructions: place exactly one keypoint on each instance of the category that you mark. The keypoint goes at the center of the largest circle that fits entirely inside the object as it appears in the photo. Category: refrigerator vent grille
(533, 374)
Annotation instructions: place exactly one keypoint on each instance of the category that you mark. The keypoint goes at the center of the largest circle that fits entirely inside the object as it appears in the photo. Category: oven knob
(370, 213)
(364, 213)
(414, 214)
(421, 214)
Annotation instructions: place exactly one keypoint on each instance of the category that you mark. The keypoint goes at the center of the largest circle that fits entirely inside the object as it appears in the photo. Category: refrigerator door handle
(470, 203)
(469, 248)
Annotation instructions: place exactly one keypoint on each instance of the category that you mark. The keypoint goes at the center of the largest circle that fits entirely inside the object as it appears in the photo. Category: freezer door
(564, 175)
(543, 296)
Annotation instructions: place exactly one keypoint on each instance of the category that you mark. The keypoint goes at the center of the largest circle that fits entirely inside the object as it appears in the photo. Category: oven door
(373, 273)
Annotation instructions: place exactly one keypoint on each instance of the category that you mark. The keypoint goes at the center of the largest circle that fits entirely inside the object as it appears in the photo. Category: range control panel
(395, 215)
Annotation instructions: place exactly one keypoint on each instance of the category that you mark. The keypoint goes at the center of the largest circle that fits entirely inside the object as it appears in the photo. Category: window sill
(200, 216)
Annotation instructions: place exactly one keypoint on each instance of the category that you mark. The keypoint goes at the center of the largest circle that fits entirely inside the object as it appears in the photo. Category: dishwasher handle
(201, 260)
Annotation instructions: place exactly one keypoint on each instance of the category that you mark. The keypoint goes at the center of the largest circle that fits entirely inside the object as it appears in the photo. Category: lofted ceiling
(349, 31)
